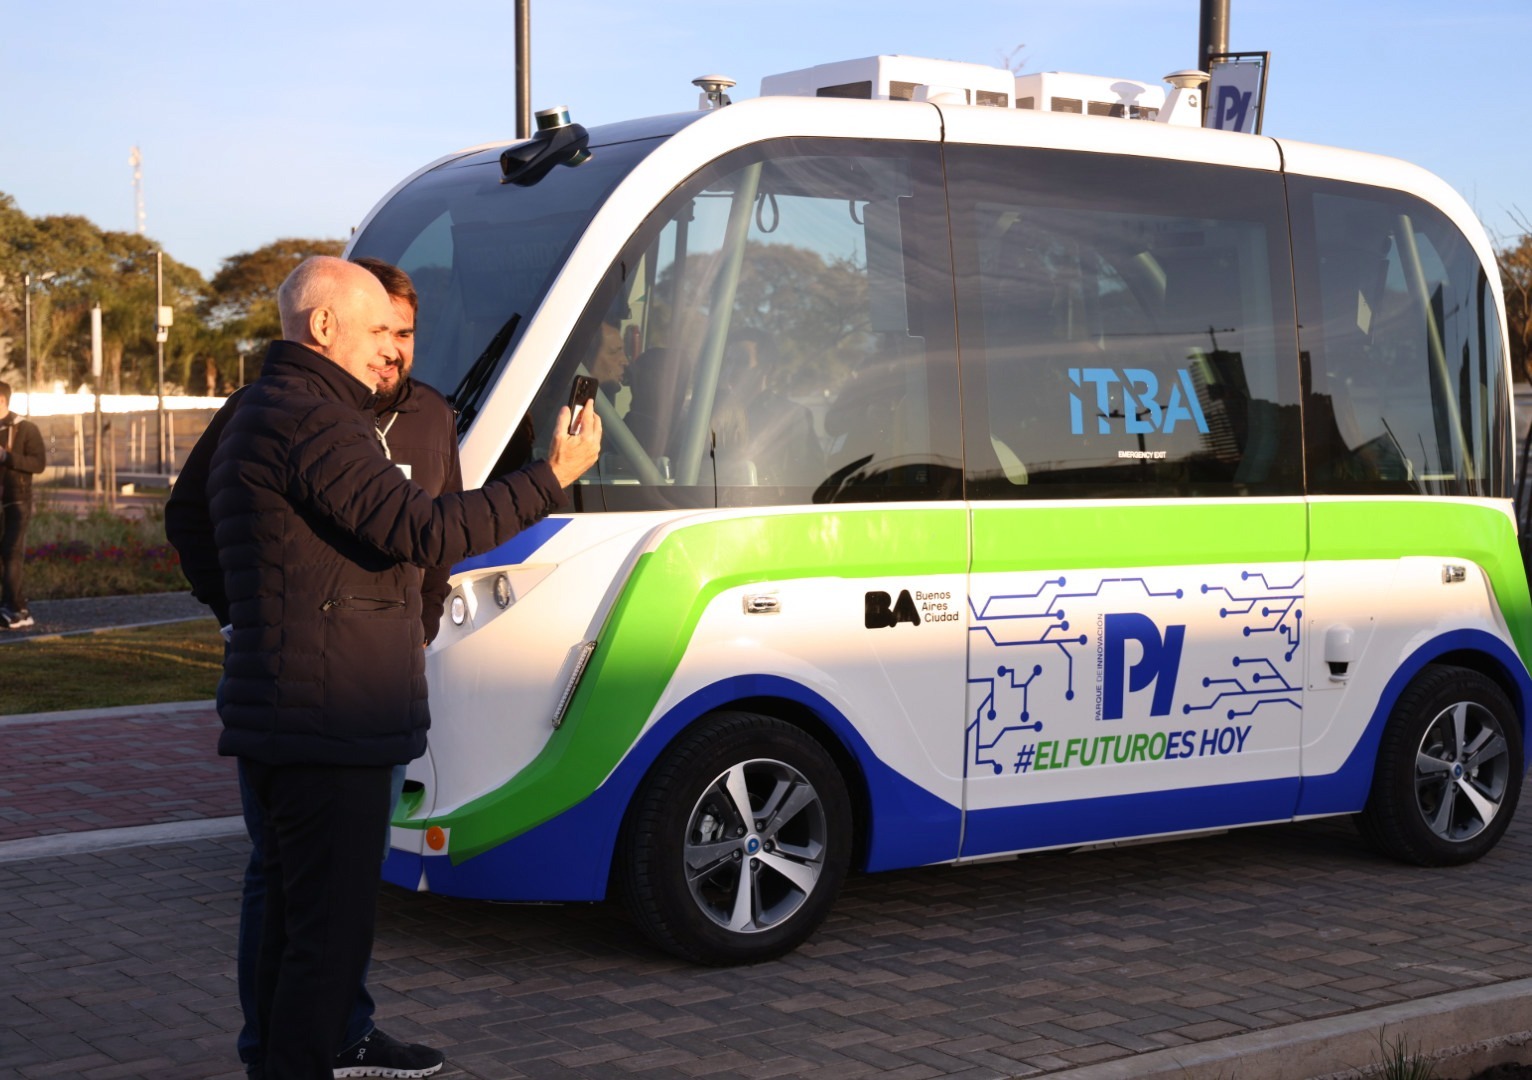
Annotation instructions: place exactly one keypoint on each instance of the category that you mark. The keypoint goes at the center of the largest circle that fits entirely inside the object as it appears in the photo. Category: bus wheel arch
(801, 715)
(1493, 669)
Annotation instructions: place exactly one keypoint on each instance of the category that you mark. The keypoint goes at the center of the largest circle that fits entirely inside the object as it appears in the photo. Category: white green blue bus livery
(976, 480)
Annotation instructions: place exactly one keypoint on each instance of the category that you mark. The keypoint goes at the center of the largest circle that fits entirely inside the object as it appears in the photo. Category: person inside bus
(765, 437)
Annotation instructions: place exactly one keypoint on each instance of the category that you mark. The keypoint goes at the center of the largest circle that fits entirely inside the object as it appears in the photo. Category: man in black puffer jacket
(319, 536)
(421, 438)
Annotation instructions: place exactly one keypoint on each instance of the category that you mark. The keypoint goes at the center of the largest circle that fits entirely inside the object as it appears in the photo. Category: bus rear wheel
(738, 842)
(1449, 770)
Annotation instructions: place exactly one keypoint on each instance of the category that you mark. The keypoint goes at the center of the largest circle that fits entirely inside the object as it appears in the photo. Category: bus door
(1136, 595)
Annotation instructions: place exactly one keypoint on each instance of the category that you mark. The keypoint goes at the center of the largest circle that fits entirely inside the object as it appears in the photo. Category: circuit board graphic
(1034, 652)
(1262, 608)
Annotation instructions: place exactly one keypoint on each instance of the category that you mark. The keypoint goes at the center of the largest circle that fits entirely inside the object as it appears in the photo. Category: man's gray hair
(307, 287)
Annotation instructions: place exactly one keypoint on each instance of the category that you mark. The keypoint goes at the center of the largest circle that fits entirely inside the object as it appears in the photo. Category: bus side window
(1404, 369)
(1127, 327)
(773, 305)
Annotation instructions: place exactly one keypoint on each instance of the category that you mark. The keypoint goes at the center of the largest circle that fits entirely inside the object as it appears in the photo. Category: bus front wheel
(738, 842)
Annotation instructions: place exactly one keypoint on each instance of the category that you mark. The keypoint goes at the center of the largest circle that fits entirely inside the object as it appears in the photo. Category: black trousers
(13, 550)
(323, 864)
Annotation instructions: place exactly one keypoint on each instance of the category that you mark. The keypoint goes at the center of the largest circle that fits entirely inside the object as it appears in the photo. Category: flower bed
(98, 554)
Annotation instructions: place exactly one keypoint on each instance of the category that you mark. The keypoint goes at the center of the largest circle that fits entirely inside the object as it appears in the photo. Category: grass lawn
(149, 666)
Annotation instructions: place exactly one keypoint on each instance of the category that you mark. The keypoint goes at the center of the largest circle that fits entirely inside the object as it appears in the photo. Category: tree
(22, 252)
(815, 309)
(1516, 279)
(86, 266)
(116, 270)
(244, 291)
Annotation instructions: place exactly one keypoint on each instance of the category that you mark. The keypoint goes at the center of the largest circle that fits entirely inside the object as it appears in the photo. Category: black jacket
(421, 434)
(24, 457)
(318, 535)
(420, 429)
(189, 526)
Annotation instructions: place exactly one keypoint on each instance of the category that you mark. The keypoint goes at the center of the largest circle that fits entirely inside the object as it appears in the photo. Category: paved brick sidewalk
(110, 771)
(119, 963)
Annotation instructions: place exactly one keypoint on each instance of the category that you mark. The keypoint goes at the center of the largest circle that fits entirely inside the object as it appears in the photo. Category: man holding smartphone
(418, 428)
(302, 506)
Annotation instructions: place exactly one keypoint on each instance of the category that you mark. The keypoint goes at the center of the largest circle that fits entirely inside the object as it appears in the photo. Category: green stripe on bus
(1018, 537)
(1093, 536)
(1395, 528)
(652, 623)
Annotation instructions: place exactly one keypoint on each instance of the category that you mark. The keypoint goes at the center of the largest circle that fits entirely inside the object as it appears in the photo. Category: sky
(258, 121)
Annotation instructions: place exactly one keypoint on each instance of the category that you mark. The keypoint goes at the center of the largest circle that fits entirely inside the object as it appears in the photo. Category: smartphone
(582, 390)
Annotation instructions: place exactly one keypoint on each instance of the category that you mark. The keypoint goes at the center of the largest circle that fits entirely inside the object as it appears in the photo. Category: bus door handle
(763, 604)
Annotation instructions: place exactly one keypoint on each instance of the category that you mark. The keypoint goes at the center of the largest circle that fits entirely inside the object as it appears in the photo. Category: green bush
(100, 553)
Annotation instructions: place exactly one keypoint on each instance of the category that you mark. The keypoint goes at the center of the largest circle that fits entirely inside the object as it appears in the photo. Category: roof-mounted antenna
(1184, 106)
(713, 87)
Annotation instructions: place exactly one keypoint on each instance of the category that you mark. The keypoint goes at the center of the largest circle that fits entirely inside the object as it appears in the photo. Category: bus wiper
(465, 399)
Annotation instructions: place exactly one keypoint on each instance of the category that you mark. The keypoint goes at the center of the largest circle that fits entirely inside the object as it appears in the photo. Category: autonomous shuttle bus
(978, 479)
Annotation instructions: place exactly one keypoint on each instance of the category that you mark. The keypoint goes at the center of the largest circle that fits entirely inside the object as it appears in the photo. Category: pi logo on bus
(1155, 661)
(1142, 411)
(1231, 109)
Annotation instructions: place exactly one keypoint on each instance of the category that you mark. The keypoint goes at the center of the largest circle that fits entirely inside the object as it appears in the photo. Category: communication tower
(136, 160)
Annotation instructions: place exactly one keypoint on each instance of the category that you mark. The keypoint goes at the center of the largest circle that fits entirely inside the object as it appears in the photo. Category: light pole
(163, 318)
(523, 16)
(26, 293)
(1212, 33)
(98, 466)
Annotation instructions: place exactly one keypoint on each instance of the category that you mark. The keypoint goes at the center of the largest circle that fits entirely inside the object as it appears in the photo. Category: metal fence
(128, 450)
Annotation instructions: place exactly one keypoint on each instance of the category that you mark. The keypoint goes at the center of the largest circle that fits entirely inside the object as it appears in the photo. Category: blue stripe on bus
(1346, 789)
(518, 549)
(568, 858)
(572, 853)
(1066, 823)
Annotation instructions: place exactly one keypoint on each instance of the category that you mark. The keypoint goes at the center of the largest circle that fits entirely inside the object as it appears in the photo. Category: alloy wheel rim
(755, 845)
(1462, 771)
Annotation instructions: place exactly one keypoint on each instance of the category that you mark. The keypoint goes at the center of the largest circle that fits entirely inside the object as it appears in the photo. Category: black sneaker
(380, 1055)
(16, 620)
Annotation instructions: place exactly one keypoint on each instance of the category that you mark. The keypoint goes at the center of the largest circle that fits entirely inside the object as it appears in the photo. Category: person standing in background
(21, 457)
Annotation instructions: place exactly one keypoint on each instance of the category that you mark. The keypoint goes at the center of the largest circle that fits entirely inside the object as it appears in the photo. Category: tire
(715, 886)
(1449, 770)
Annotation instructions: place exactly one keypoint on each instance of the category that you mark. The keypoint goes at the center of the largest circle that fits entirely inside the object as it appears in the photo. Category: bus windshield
(482, 253)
